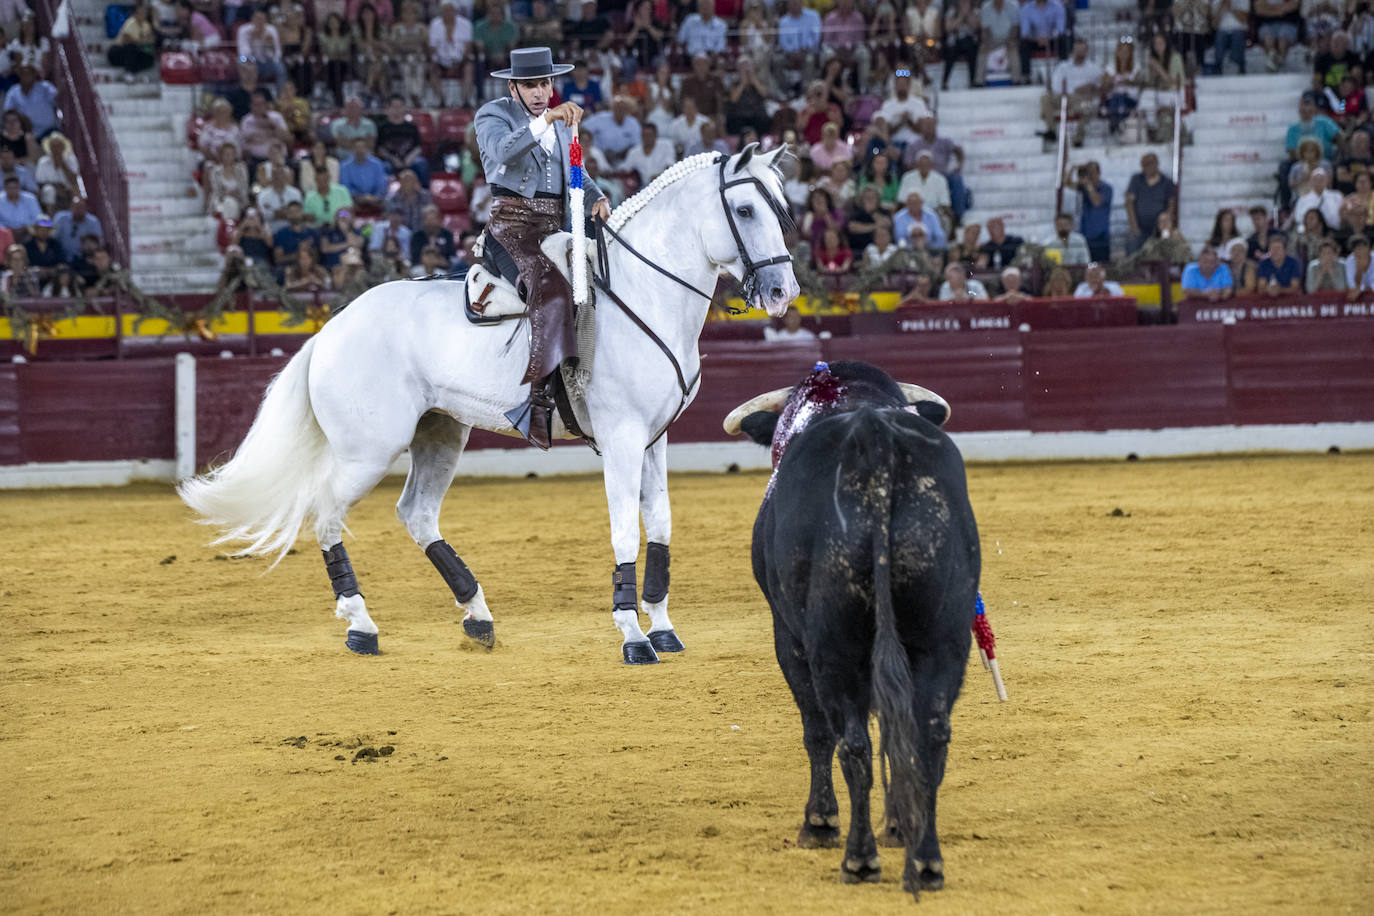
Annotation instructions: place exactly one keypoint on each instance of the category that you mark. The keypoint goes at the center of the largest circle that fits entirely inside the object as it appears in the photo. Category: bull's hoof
(482, 632)
(362, 643)
(819, 832)
(639, 653)
(665, 641)
(861, 871)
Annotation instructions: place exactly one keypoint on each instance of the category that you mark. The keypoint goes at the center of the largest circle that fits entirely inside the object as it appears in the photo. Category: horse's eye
(745, 211)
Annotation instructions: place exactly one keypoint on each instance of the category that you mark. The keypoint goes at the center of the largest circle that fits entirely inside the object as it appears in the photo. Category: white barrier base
(1012, 445)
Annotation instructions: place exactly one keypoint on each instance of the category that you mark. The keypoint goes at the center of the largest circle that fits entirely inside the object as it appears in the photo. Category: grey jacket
(513, 159)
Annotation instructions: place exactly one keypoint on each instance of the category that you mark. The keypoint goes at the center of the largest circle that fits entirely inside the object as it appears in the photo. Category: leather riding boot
(534, 418)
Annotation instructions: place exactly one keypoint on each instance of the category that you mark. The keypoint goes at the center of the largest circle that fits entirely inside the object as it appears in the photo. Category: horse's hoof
(933, 875)
(866, 871)
(482, 632)
(362, 643)
(818, 836)
(639, 653)
(665, 641)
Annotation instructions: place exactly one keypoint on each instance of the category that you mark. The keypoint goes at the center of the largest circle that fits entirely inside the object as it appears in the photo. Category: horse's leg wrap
(340, 572)
(655, 572)
(623, 588)
(455, 572)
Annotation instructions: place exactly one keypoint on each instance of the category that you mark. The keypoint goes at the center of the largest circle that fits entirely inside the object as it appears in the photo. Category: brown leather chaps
(520, 225)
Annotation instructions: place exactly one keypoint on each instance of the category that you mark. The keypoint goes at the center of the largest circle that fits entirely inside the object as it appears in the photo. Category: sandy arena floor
(1189, 728)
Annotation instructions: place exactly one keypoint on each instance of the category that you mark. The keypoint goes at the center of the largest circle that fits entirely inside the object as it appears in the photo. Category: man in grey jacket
(524, 146)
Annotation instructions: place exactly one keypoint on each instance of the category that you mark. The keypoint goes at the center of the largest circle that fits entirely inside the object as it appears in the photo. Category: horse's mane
(628, 208)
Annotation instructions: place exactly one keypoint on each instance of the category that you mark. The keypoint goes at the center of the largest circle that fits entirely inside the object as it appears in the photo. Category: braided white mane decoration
(671, 176)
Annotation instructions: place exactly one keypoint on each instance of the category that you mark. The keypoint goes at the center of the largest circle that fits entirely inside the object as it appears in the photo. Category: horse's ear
(744, 156)
(770, 159)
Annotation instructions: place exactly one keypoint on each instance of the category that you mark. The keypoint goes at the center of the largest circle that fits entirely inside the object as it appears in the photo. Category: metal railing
(1061, 155)
(86, 124)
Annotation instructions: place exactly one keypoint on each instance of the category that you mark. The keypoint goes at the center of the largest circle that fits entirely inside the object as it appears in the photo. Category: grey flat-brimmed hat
(531, 64)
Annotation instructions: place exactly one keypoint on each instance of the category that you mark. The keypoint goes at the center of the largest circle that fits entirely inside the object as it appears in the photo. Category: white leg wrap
(627, 622)
(658, 615)
(477, 607)
(353, 609)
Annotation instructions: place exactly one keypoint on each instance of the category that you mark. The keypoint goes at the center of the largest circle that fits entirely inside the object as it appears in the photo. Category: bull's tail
(894, 697)
(278, 477)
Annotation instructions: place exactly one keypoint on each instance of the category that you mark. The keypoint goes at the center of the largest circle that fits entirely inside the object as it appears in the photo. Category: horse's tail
(894, 693)
(280, 474)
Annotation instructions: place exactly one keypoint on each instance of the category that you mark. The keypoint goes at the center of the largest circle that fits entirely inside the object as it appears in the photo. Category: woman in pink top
(831, 149)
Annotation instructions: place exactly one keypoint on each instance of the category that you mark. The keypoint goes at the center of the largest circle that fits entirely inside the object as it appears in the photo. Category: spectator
(959, 286)
(1349, 105)
(1079, 80)
(882, 247)
(746, 105)
(1167, 243)
(1059, 285)
(844, 34)
(1194, 32)
(9, 166)
(966, 250)
(253, 238)
(1043, 30)
(70, 226)
(260, 128)
(961, 39)
(865, 214)
(43, 252)
(395, 229)
(83, 265)
(305, 275)
(1122, 85)
(1309, 160)
(364, 176)
(20, 280)
(1165, 73)
(273, 199)
(1357, 210)
(323, 201)
(816, 110)
(294, 110)
(821, 214)
(839, 181)
(584, 31)
(704, 87)
(1278, 29)
(1258, 241)
(1000, 24)
(229, 187)
(190, 28)
(643, 40)
(287, 239)
(1310, 123)
(260, 42)
(1095, 208)
(1237, 258)
(1326, 272)
(685, 129)
(919, 294)
(1011, 287)
(580, 89)
(917, 215)
(432, 233)
(651, 157)
(543, 29)
(833, 256)
(926, 181)
(881, 175)
(1279, 272)
(353, 126)
(18, 209)
(350, 271)
(450, 45)
(1329, 67)
(35, 99)
(1149, 194)
(1359, 268)
(1208, 278)
(1072, 247)
(31, 47)
(791, 330)
(1311, 233)
(220, 130)
(398, 142)
(702, 32)
(336, 52)
(1000, 249)
(410, 200)
(410, 46)
(17, 139)
(831, 149)
(318, 160)
(134, 49)
(241, 96)
(799, 39)
(1232, 18)
(1095, 284)
(335, 237)
(901, 111)
(430, 263)
(616, 130)
(948, 159)
(1320, 197)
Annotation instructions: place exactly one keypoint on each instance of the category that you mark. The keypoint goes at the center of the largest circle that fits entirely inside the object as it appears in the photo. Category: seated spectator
(1279, 273)
(1095, 207)
(882, 247)
(325, 199)
(580, 89)
(746, 104)
(1122, 85)
(543, 28)
(253, 239)
(295, 111)
(685, 130)
(1237, 258)
(1000, 28)
(1043, 31)
(339, 236)
(19, 209)
(1193, 26)
(831, 149)
(1357, 158)
(651, 157)
(1309, 160)
(962, 32)
(430, 264)
(1223, 228)
(704, 87)
(396, 230)
(1072, 247)
(83, 265)
(15, 137)
(901, 111)
(450, 49)
(1309, 237)
(398, 142)
(791, 330)
(20, 280)
(1164, 69)
(919, 294)
(274, 198)
(839, 181)
(1320, 197)
(260, 128)
(865, 214)
(816, 110)
(221, 129)
(134, 49)
(1321, 21)
(1059, 285)
(833, 256)
(1359, 268)
(305, 275)
(584, 30)
(277, 161)
(799, 39)
(967, 251)
(28, 43)
(1167, 243)
(1095, 284)
(410, 200)
(844, 37)
(1335, 63)
(1278, 29)
(43, 252)
(926, 181)
(354, 125)
(240, 97)
(959, 286)
(1149, 194)
(1258, 241)
(821, 214)
(9, 166)
(35, 99)
(391, 260)
(1326, 271)
(881, 175)
(350, 272)
(289, 238)
(190, 28)
(948, 159)
(319, 159)
(335, 49)
(58, 174)
(492, 37)
(70, 226)
(616, 130)
(1348, 106)
(1000, 249)
(917, 215)
(1011, 287)
(260, 43)
(228, 183)
(1311, 123)
(1357, 209)
(433, 233)
(364, 176)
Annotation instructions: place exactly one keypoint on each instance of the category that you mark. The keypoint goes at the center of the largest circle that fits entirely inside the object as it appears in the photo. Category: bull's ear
(934, 412)
(759, 426)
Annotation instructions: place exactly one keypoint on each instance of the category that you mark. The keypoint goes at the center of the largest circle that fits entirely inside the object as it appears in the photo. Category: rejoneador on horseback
(414, 365)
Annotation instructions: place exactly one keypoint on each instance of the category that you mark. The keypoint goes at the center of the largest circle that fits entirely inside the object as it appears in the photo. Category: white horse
(402, 367)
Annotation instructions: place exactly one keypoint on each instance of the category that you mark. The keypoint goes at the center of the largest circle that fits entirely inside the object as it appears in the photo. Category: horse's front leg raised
(623, 458)
(658, 527)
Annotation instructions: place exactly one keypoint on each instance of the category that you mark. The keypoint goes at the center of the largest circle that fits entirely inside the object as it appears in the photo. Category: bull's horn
(915, 394)
(773, 400)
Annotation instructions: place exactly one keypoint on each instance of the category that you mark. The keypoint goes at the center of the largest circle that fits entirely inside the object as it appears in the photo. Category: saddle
(491, 293)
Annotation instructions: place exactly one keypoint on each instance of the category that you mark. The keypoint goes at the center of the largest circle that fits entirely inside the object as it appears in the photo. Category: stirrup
(522, 419)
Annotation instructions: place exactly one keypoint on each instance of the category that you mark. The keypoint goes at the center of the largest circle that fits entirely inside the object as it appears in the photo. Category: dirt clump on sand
(1186, 644)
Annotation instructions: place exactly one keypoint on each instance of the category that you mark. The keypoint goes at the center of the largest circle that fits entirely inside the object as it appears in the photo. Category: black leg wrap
(623, 588)
(655, 572)
(453, 569)
(340, 572)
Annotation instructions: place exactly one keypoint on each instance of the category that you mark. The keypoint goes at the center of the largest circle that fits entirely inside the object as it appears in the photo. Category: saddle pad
(491, 299)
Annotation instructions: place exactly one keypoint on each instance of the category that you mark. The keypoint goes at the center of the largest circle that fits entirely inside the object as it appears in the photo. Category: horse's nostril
(777, 292)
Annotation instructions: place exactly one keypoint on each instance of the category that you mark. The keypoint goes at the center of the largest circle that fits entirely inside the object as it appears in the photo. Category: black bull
(867, 551)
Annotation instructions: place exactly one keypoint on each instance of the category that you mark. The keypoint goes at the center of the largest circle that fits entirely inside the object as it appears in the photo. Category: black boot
(534, 418)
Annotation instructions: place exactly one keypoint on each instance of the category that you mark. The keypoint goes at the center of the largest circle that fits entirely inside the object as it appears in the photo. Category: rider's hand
(569, 113)
(602, 208)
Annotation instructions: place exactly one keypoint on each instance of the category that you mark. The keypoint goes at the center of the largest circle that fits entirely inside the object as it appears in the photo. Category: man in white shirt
(450, 39)
(703, 32)
(1320, 198)
(686, 127)
(272, 200)
(1072, 247)
(959, 286)
(901, 110)
(1080, 81)
(791, 330)
(924, 180)
(651, 156)
(1095, 284)
(616, 130)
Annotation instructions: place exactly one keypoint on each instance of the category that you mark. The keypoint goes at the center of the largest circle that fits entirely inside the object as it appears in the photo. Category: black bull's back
(870, 506)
